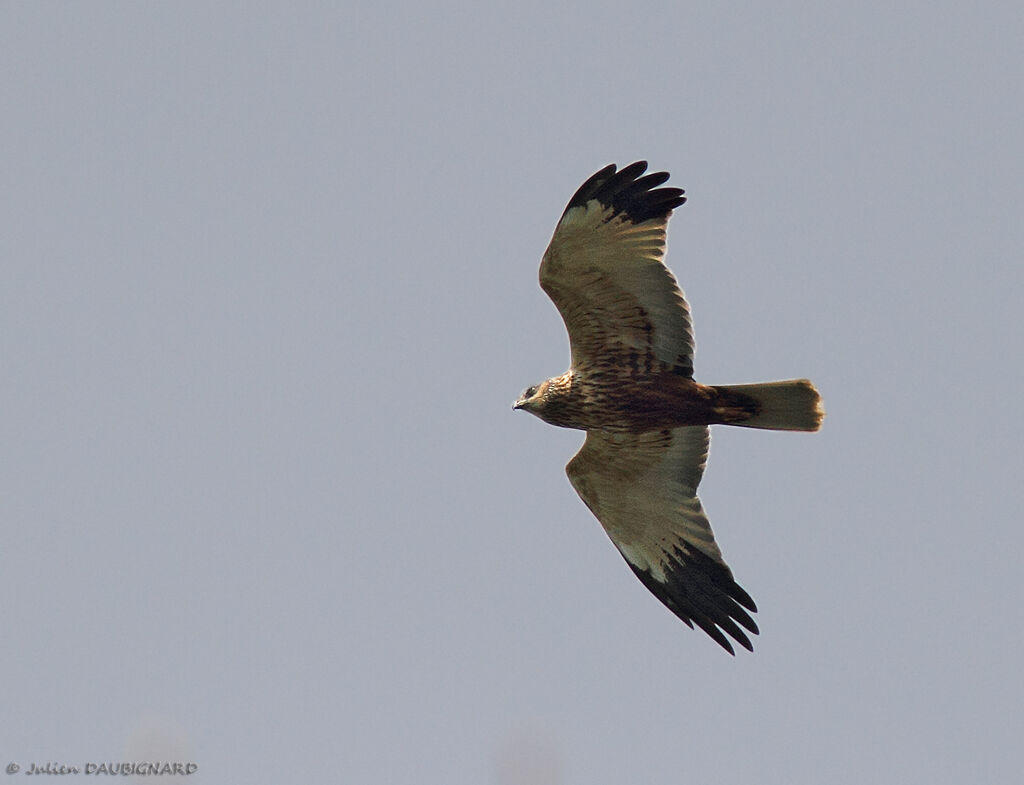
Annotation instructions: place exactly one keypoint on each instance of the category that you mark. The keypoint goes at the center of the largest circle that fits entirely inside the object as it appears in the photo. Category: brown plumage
(630, 386)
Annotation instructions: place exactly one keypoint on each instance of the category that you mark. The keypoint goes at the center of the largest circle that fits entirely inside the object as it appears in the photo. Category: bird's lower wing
(643, 490)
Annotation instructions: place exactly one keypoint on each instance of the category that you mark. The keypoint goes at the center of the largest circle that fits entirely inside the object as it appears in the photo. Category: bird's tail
(792, 405)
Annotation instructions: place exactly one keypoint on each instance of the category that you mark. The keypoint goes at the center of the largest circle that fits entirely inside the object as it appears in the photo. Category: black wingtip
(702, 592)
(627, 193)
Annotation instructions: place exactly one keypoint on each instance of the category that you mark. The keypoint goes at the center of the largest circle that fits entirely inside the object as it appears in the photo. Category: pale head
(532, 399)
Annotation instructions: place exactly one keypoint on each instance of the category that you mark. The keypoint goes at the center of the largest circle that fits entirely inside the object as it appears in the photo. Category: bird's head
(532, 398)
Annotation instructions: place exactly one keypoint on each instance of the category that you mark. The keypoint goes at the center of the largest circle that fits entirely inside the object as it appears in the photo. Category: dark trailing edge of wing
(629, 194)
(701, 591)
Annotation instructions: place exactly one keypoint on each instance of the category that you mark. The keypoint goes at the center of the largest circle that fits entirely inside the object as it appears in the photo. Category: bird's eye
(530, 392)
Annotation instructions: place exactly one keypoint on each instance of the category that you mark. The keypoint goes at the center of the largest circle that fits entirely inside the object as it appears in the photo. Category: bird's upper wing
(643, 490)
(603, 269)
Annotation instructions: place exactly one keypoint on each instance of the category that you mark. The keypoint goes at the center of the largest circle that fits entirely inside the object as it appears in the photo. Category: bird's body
(630, 386)
(606, 401)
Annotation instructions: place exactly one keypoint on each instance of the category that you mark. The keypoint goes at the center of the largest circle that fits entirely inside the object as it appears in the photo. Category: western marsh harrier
(630, 387)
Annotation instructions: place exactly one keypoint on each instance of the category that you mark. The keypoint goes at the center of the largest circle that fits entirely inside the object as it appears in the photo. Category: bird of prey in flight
(630, 386)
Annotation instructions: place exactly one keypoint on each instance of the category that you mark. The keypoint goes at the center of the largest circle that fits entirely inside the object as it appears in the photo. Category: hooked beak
(518, 404)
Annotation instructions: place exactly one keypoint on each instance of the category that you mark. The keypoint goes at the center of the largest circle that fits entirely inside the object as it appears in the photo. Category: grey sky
(269, 288)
